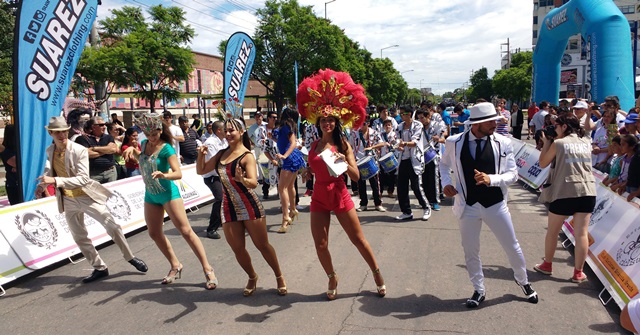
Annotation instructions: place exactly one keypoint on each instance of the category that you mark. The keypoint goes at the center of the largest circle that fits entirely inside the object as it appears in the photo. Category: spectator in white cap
(484, 166)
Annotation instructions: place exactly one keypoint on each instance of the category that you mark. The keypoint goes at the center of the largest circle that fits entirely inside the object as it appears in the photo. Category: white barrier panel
(517, 145)
(39, 236)
(529, 170)
(614, 243)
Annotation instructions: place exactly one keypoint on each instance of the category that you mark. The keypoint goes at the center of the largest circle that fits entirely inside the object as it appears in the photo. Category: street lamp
(325, 8)
(393, 46)
(405, 71)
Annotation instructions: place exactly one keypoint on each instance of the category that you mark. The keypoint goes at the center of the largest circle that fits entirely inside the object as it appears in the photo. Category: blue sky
(440, 41)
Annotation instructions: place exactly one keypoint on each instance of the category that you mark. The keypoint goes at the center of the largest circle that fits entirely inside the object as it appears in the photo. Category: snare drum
(389, 162)
(368, 167)
(430, 155)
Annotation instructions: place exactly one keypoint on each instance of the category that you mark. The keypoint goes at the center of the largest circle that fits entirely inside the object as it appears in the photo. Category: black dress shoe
(531, 295)
(95, 275)
(475, 299)
(139, 264)
(213, 234)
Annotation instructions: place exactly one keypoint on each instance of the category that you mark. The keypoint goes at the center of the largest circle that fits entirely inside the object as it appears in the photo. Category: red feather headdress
(331, 93)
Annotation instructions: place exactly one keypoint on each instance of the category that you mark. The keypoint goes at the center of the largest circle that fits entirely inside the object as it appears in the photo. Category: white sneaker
(404, 217)
(379, 208)
(361, 209)
(427, 214)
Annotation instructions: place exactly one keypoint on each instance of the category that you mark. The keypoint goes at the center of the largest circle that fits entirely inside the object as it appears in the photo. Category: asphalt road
(422, 263)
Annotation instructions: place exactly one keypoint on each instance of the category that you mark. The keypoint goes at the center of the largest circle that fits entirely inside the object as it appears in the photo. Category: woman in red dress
(332, 100)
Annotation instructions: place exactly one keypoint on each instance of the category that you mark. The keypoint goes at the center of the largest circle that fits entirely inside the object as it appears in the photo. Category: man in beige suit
(77, 194)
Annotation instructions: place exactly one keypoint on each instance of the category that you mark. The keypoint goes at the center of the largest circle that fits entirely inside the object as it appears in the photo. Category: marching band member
(411, 157)
(267, 144)
(369, 141)
(434, 131)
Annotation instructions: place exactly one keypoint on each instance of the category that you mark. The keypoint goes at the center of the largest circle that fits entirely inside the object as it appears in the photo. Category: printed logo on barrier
(629, 252)
(603, 205)
(186, 191)
(118, 206)
(38, 229)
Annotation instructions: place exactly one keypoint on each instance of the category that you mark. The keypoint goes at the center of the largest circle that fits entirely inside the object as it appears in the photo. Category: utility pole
(508, 52)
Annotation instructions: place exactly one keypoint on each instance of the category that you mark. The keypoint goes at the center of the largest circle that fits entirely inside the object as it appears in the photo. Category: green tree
(481, 86)
(515, 83)
(289, 33)
(386, 85)
(151, 57)
(7, 11)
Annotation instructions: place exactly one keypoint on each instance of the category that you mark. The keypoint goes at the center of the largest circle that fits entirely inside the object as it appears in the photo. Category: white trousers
(498, 218)
(74, 210)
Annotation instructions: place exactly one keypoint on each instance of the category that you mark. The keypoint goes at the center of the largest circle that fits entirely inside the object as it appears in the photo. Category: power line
(225, 11)
(213, 30)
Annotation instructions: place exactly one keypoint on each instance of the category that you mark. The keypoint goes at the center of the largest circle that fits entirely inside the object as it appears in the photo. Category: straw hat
(57, 123)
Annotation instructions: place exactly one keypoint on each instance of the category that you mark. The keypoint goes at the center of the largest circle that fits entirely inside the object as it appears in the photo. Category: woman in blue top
(292, 161)
(159, 166)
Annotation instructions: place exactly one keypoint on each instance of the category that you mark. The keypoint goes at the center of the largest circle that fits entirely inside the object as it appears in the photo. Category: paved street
(422, 263)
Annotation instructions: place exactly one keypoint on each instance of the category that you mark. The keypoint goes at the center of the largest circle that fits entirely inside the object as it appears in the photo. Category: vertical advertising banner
(238, 61)
(50, 35)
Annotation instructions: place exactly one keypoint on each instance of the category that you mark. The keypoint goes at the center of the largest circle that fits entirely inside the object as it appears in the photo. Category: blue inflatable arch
(606, 30)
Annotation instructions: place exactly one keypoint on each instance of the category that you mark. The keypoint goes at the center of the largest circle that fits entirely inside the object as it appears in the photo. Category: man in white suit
(483, 164)
(77, 194)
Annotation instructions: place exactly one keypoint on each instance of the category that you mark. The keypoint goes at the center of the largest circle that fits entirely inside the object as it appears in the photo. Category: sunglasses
(100, 124)
(271, 117)
(405, 113)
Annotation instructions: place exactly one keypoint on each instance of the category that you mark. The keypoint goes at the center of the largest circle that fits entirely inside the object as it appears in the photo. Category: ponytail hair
(572, 123)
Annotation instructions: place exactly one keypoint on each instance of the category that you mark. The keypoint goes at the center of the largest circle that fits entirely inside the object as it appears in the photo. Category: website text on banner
(50, 37)
(36, 235)
(614, 243)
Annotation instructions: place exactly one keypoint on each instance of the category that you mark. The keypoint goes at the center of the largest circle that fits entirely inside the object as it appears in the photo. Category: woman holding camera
(572, 191)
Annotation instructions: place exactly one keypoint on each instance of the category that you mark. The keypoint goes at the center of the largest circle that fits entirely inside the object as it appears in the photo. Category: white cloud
(442, 41)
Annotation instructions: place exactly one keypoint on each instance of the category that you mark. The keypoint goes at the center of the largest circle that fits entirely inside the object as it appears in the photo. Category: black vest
(486, 196)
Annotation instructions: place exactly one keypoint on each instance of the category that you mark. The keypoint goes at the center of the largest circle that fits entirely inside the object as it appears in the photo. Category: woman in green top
(159, 166)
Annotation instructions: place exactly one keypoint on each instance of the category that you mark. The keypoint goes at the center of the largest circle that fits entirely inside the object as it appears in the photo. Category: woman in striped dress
(241, 207)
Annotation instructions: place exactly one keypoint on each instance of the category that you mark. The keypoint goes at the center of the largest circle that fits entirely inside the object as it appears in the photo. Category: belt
(76, 192)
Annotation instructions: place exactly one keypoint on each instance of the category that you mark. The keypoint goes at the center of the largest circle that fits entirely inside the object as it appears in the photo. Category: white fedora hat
(57, 123)
(482, 112)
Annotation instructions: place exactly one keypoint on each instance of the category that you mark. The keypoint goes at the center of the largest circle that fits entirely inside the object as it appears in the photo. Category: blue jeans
(133, 172)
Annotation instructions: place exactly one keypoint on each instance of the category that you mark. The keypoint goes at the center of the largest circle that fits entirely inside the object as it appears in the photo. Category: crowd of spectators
(614, 138)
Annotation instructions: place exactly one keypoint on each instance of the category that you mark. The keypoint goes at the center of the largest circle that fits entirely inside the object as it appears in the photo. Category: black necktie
(478, 148)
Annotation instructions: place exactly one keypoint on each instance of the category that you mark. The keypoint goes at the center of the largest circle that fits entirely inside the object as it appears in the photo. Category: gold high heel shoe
(177, 274)
(249, 290)
(210, 284)
(283, 289)
(332, 294)
(382, 289)
(285, 225)
(294, 215)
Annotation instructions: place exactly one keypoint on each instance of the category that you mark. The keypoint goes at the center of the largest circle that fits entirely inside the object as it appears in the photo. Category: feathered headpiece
(149, 122)
(331, 93)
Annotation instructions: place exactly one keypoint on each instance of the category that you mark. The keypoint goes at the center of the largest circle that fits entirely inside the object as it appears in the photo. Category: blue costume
(295, 161)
